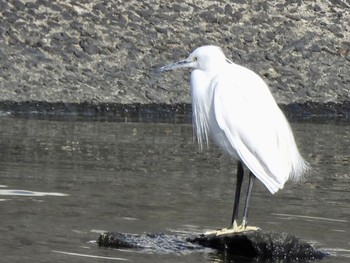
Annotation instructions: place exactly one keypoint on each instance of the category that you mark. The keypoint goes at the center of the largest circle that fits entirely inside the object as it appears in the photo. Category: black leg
(240, 173)
(249, 195)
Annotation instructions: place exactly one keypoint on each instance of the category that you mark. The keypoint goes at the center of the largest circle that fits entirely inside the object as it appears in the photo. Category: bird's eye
(195, 59)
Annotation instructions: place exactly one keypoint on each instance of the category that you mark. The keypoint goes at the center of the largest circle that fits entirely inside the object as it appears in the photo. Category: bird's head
(206, 58)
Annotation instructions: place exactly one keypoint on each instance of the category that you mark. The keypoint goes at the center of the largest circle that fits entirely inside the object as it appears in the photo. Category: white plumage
(235, 107)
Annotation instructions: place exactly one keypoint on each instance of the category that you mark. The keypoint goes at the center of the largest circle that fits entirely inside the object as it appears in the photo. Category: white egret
(235, 107)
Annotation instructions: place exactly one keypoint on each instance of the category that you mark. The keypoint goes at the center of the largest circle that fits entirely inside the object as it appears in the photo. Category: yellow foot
(232, 230)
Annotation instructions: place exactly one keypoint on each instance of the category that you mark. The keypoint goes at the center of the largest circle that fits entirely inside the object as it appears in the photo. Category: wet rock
(158, 243)
(254, 244)
(261, 244)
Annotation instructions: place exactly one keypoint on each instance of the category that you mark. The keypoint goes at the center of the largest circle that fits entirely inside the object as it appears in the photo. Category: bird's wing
(249, 118)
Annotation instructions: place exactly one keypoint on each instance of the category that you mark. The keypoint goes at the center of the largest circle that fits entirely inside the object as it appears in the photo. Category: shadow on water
(64, 182)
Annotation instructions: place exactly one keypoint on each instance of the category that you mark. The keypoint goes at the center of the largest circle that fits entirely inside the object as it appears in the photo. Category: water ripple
(18, 192)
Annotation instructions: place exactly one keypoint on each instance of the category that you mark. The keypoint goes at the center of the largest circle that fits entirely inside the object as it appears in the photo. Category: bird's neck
(216, 68)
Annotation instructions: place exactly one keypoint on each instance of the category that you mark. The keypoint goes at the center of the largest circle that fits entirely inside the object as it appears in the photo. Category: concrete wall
(106, 51)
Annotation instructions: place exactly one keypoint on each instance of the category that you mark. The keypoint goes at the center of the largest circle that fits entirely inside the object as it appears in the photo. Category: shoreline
(154, 112)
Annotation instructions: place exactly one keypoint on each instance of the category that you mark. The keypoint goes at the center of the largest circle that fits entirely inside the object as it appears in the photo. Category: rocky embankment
(104, 52)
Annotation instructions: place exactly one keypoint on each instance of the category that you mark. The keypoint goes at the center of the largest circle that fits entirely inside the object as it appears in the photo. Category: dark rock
(158, 243)
(161, 30)
(267, 245)
(315, 48)
(78, 26)
(270, 57)
(228, 10)
(299, 45)
(254, 244)
(339, 3)
(100, 7)
(60, 36)
(18, 5)
(11, 17)
(317, 8)
(4, 5)
(239, 1)
(66, 15)
(295, 17)
(237, 16)
(32, 5)
(88, 46)
(81, 55)
(248, 38)
(134, 17)
(209, 17)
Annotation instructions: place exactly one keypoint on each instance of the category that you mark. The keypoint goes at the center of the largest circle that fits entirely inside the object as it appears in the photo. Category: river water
(62, 182)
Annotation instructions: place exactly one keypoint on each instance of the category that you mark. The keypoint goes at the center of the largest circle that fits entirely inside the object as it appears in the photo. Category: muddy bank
(105, 52)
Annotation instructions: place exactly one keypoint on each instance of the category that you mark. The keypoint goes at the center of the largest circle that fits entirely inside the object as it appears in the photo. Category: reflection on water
(27, 193)
(137, 177)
